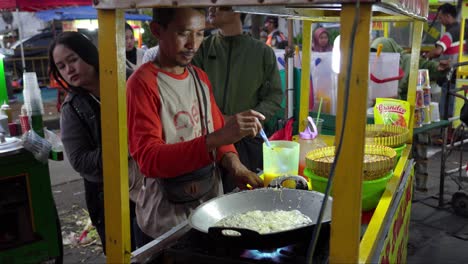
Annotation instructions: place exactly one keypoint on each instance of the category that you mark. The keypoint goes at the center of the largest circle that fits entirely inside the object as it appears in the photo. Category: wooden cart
(387, 230)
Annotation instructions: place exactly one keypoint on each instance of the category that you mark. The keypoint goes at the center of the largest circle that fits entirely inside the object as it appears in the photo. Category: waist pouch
(189, 187)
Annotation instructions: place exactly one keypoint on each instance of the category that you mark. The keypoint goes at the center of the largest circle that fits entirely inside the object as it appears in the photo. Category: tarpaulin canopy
(35, 5)
(80, 12)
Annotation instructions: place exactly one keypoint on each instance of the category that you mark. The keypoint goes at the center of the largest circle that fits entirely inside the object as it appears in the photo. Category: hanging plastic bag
(37, 145)
(56, 143)
(285, 133)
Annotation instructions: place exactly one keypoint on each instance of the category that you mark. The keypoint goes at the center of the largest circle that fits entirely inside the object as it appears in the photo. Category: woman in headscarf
(321, 42)
(436, 69)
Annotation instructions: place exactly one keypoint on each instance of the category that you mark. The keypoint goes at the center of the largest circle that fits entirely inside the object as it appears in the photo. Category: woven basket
(378, 161)
(386, 135)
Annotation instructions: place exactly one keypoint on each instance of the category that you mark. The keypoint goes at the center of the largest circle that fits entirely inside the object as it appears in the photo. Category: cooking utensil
(265, 138)
(204, 217)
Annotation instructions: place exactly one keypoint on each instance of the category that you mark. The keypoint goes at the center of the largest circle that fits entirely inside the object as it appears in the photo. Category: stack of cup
(32, 94)
(33, 102)
(423, 99)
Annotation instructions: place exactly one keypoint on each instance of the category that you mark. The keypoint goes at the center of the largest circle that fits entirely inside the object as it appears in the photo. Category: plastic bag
(285, 133)
(57, 146)
(54, 140)
(37, 145)
(391, 112)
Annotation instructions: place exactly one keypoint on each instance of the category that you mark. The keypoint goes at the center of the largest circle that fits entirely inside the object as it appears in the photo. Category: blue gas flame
(274, 255)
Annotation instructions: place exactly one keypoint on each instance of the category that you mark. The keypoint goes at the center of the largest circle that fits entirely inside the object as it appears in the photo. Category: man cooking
(177, 134)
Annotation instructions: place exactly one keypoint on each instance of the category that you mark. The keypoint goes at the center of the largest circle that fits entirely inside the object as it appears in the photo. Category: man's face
(444, 19)
(221, 15)
(180, 40)
(269, 26)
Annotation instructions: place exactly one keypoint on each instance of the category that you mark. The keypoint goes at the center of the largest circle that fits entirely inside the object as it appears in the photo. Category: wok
(265, 199)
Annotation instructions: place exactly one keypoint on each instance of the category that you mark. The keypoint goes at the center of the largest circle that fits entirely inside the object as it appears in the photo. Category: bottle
(308, 141)
(6, 109)
(24, 119)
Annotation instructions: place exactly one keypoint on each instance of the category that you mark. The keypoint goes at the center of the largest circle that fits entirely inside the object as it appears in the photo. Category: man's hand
(241, 174)
(434, 53)
(235, 128)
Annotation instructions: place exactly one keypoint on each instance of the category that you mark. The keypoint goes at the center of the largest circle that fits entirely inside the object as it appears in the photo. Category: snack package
(391, 112)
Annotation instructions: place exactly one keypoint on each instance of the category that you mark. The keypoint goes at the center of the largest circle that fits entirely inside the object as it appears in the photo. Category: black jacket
(80, 124)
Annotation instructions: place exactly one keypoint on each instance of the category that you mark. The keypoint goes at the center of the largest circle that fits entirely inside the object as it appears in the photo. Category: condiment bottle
(6, 109)
(24, 120)
(308, 141)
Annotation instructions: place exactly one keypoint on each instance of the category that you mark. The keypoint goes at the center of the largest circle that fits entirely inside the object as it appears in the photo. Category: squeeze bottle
(7, 111)
(308, 141)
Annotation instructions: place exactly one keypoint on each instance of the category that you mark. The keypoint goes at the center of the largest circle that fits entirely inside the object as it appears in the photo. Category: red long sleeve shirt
(148, 143)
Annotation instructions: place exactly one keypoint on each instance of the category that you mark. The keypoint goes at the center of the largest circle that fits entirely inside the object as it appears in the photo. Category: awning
(35, 5)
(80, 12)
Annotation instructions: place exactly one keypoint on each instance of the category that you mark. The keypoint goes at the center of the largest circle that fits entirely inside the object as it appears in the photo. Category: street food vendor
(447, 47)
(177, 134)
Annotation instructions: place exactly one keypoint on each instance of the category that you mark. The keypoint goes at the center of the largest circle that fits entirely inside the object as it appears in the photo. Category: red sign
(395, 246)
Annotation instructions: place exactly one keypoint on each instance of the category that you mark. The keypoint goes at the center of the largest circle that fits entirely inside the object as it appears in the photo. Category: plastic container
(398, 151)
(371, 190)
(384, 67)
(324, 82)
(282, 158)
(308, 141)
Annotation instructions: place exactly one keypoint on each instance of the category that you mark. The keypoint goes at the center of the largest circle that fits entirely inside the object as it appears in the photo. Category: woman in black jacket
(74, 63)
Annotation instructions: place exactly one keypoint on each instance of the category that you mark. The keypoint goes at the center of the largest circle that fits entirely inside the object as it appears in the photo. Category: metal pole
(442, 167)
(20, 37)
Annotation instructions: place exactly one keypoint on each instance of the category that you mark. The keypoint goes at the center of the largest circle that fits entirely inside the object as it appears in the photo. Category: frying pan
(204, 217)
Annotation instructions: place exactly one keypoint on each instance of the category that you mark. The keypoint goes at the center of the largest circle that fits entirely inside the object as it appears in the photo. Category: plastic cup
(282, 158)
(435, 115)
(13, 128)
(319, 124)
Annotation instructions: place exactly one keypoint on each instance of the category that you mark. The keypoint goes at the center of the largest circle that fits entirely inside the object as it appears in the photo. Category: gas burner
(276, 255)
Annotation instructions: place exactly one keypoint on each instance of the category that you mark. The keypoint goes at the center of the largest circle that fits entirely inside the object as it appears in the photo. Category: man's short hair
(163, 16)
(273, 20)
(448, 9)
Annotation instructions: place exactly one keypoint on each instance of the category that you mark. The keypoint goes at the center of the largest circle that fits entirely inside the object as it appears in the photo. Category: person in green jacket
(244, 75)
(437, 70)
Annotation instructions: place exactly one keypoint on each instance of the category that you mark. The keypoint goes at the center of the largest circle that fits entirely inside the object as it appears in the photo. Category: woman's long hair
(82, 46)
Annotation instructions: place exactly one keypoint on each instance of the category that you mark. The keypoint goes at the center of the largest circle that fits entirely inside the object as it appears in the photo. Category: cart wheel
(460, 203)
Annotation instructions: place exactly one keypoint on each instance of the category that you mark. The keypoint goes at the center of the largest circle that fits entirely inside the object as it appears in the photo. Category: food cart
(386, 235)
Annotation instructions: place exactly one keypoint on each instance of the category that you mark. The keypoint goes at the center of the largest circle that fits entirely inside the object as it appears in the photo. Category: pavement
(438, 235)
